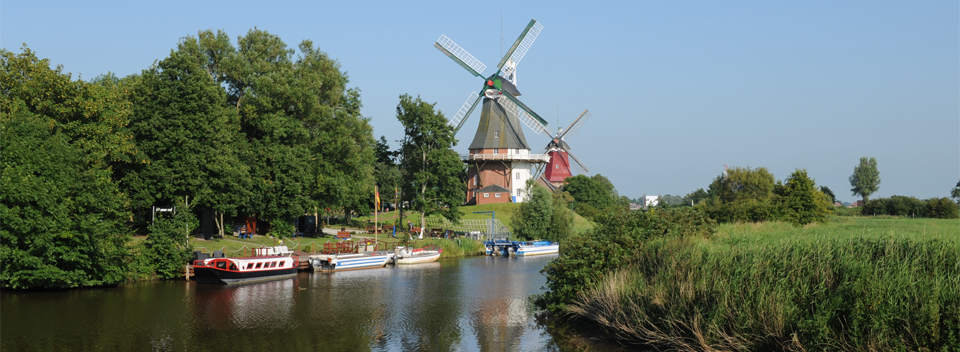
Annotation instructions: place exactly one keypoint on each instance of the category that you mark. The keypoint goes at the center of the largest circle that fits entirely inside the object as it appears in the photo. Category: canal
(472, 304)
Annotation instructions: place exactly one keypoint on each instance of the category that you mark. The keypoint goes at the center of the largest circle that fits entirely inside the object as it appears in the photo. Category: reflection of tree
(429, 303)
(500, 317)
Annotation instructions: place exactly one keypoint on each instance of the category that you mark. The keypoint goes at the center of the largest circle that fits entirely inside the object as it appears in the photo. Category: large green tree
(189, 140)
(739, 184)
(433, 175)
(307, 145)
(866, 178)
(63, 214)
(533, 218)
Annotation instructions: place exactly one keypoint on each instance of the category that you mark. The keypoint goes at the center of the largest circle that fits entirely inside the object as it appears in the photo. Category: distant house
(493, 194)
(651, 201)
(856, 204)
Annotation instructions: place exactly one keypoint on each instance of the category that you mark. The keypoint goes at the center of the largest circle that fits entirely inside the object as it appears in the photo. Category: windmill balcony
(541, 158)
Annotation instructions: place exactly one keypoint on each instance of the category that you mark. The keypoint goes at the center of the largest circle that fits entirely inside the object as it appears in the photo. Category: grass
(502, 211)
(850, 284)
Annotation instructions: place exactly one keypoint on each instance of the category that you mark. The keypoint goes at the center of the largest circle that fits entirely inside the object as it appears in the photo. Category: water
(472, 304)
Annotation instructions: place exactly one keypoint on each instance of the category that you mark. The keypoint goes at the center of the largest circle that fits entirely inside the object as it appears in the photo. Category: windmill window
(496, 134)
(558, 166)
(496, 195)
(486, 195)
(518, 175)
(496, 151)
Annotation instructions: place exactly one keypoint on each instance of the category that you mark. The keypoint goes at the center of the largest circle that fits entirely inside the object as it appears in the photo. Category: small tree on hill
(866, 178)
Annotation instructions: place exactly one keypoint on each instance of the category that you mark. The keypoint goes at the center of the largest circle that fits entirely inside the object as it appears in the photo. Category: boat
(229, 271)
(405, 255)
(519, 248)
(537, 248)
(350, 261)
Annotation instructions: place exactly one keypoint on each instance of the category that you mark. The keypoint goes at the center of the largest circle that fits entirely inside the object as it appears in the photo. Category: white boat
(537, 248)
(405, 255)
(242, 270)
(350, 261)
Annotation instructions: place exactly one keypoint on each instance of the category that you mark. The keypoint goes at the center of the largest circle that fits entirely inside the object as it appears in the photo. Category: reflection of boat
(241, 270)
(503, 247)
(350, 261)
(537, 248)
(427, 254)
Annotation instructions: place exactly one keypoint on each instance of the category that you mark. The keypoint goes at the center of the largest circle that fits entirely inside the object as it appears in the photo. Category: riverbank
(235, 247)
(853, 283)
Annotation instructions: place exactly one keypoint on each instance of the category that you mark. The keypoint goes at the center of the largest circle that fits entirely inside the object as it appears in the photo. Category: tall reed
(886, 292)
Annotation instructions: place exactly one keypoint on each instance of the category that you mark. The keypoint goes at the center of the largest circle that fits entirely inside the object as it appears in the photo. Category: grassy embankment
(236, 247)
(502, 211)
(851, 284)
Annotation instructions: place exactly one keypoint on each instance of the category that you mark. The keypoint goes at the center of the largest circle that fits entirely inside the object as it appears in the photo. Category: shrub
(612, 244)
(942, 208)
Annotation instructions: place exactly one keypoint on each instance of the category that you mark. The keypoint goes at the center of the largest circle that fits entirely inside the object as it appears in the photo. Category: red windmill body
(558, 169)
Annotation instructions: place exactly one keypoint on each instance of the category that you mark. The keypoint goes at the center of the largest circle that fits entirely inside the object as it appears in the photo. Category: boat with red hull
(243, 270)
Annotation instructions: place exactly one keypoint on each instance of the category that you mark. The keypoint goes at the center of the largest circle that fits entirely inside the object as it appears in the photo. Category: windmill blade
(575, 125)
(462, 57)
(582, 167)
(529, 118)
(465, 111)
(523, 43)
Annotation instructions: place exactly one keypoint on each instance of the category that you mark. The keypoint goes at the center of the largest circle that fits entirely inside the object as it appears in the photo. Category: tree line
(252, 128)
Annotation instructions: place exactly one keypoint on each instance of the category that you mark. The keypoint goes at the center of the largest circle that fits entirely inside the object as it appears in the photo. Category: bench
(372, 229)
(343, 235)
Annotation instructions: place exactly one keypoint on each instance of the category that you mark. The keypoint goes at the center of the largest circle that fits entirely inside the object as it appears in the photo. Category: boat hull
(207, 275)
(537, 250)
(418, 258)
(343, 262)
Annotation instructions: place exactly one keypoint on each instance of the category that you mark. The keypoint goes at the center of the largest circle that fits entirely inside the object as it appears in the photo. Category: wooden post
(186, 272)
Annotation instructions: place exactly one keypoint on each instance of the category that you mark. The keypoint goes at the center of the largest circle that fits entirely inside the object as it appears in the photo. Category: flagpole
(375, 206)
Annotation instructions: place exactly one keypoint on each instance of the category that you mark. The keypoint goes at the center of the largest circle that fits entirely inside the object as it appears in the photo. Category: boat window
(233, 267)
(249, 265)
(273, 264)
(222, 265)
(258, 265)
(281, 264)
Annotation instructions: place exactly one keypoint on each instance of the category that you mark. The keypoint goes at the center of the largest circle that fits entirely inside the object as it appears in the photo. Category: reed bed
(854, 284)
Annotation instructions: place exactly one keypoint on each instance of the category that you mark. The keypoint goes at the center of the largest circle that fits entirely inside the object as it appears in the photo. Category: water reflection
(473, 304)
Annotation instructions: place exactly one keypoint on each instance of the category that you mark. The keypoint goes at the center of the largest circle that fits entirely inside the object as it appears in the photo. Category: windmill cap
(504, 84)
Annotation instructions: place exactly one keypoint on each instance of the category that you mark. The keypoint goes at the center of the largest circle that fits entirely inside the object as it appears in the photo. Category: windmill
(558, 169)
(499, 163)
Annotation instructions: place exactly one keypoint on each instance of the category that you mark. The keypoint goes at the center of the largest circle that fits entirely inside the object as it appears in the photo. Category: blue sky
(677, 89)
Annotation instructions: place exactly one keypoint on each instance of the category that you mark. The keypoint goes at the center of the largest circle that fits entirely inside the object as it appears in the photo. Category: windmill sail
(575, 125)
(461, 56)
(465, 111)
(528, 117)
(523, 43)
(584, 167)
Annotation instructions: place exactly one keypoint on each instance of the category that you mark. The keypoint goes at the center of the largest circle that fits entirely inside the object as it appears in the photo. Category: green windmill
(499, 160)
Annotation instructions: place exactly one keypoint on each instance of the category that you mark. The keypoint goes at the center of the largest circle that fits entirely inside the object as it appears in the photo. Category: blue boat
(518, 248)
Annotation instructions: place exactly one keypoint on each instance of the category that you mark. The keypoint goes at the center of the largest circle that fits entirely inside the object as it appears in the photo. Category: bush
(942, 208)
(612, 244)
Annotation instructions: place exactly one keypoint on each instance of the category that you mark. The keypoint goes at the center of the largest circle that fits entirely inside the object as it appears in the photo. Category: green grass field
(502, 211)
(850, 284)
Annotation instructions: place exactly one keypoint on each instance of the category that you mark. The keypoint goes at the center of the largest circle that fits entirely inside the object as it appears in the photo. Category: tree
(955, 192)
(433, 175)
(168, 245)
(62, 211)
(305, 141)
(800, 200)
(865, 179)
(695, 197)
(743, 184)
(830, 196)
(386, 170)
(189, 139)
(62, 215)
(533, 218)
(589, 191)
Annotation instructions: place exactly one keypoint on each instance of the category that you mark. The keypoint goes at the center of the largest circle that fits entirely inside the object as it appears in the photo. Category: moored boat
(350, 261)
(243, 270)
(427, 254)
(537, 248)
